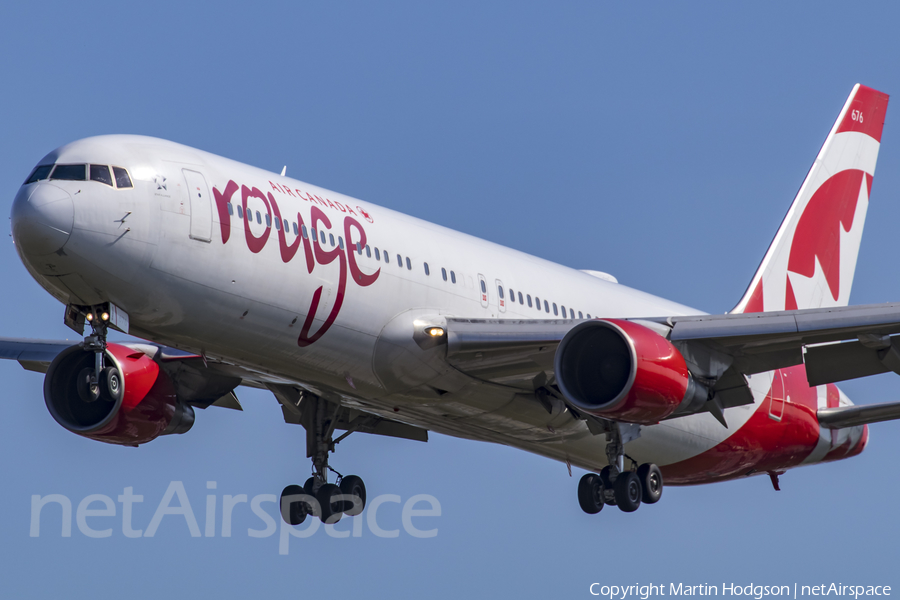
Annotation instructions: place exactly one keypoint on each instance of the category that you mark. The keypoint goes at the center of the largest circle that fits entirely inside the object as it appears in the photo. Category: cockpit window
(40, 172)
(122, 178)
(69, 172)
(101, 173)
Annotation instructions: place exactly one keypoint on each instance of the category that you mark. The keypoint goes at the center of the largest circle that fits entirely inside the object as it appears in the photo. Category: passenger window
(377, 255)
(546, 306)
(500, 291)
(40, 172)
(399, 261)
(537, 302)
(230, 208)
(427, 272)
(341, 242)
(268, 220)
(520, 299)
(444, 273)
(68, 172)
(512, 295)
(580, 316)
(452, 277)
(322, 237)
(359, 248)
(368, 251)
(555, 310)
(483, 286)
(101, 173)
(288, 228)
(331, 239)
(589, 315)
(240, 212)
(563, 308)
(529, 300)
(302, 231)
(571, 313)
(408, 264)
(122, 178)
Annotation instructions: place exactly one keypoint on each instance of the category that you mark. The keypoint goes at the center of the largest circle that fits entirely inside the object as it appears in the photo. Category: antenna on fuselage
(283, 170)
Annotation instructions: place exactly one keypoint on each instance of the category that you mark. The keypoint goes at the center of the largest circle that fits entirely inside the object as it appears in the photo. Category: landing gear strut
(347, 495)
(616, 486)
(101, 382)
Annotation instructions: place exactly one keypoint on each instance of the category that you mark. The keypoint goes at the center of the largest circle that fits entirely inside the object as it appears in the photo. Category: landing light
(90, 316)
(105, 316)
(435, 331)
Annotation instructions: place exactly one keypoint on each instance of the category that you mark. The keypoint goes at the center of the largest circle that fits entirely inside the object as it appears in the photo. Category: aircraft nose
(42, 218)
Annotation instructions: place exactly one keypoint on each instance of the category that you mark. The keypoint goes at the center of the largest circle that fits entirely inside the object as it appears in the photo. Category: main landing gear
(616, 486)
(328, 501)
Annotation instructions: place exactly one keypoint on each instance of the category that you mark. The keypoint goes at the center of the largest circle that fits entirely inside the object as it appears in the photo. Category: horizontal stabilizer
(851, 416)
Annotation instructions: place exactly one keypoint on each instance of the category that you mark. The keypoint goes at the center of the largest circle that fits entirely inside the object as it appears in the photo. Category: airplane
(360, 319)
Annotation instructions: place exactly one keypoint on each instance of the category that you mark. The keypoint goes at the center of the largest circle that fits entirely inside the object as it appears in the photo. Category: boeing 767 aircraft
(359, 319)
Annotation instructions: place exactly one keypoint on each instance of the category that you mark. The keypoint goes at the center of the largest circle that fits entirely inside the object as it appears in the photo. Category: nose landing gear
(99, 382)
(319, 497)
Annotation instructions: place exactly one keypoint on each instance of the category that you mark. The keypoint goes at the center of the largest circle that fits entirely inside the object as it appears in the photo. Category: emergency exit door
(201, 206)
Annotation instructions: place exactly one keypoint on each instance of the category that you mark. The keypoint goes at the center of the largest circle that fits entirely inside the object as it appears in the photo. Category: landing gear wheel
(651, 483)
(590, 494)
(87, 391)
(628, 491)
(607, 485)
(330, 503)
(110, 382)
(308, 486)
(352, 485)
(293, 509)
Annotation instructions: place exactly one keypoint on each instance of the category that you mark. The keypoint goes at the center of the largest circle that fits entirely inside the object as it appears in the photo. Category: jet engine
(132, 403)
(624, 371)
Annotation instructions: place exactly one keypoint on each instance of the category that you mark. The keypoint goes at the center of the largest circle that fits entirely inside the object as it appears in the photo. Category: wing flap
(840, 362)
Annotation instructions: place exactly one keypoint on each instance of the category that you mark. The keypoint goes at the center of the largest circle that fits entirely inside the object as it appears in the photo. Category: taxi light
(90, 316)
(105, 316)
(435, 331)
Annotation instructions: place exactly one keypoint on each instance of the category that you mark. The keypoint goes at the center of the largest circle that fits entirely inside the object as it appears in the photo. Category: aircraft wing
(835, 343)
(507, 350)
(33, 355)
(205, 382)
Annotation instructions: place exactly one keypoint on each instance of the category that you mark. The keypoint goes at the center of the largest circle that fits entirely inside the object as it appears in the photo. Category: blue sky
(660, 143)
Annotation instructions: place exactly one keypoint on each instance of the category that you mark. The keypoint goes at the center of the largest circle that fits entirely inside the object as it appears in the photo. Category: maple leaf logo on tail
(811, 261)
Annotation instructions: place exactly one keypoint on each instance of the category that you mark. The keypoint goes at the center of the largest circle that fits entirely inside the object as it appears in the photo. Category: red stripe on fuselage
(763, 443)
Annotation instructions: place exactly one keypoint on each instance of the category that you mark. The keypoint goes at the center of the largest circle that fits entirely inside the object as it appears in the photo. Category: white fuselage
(159, 251)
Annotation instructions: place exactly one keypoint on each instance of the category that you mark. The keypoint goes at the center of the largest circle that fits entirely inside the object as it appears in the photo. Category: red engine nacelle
(622, 371)
(146, 407)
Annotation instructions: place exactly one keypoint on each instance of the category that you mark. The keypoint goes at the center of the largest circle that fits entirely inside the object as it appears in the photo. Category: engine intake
(623, 371)
(145, 407)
